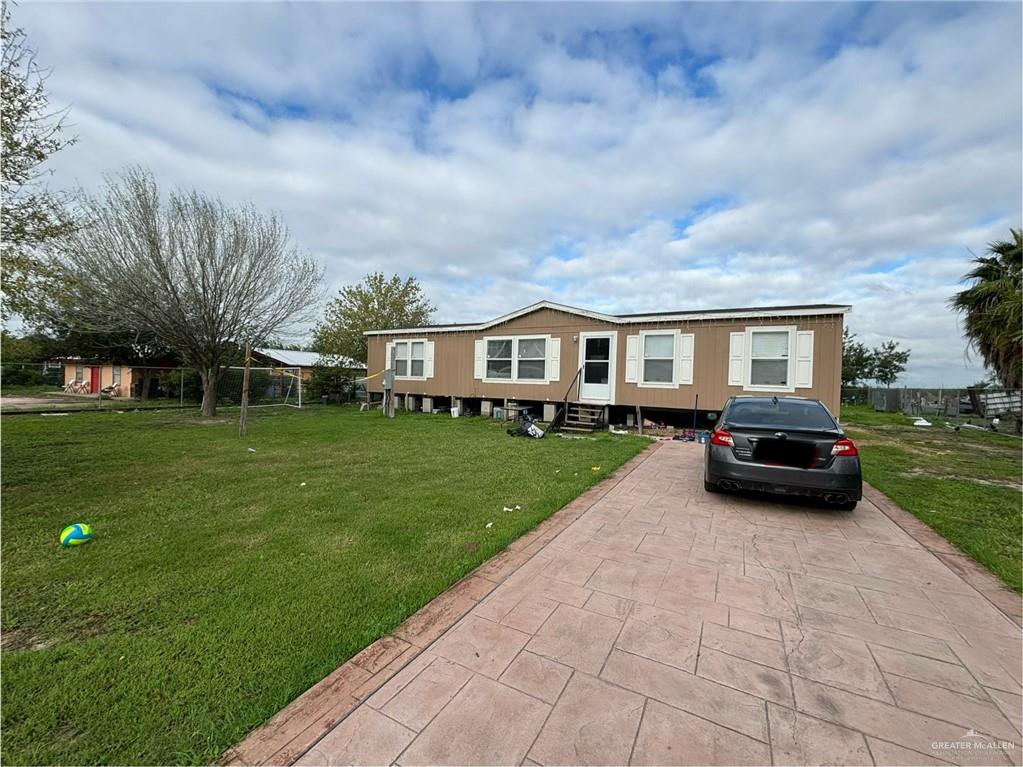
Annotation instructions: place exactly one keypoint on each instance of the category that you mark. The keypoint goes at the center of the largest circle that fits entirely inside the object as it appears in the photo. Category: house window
(769, 358)
(409, 358)
(532, 359)
(416, 361)
(79, 372)
(499, 358)
(658, 358)
(401, 359)
(117, 375)
(520, 359)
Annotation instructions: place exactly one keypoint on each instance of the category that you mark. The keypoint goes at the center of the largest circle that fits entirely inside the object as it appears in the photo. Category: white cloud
(620, 156)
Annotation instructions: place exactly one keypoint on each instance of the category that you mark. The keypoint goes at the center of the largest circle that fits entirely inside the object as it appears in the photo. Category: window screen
(499, 359)
(401, 359)
(416, 362)
(532, 357)
(658, 358)
(769, 358)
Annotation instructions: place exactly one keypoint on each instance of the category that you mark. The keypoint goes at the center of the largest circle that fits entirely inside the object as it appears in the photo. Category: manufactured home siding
(454, 355)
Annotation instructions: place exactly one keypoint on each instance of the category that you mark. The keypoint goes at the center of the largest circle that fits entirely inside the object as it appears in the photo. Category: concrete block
(486, 408)
(549, 411)
(427, 404)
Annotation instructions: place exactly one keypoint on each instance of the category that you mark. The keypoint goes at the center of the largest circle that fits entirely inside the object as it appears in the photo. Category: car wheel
(710, 487)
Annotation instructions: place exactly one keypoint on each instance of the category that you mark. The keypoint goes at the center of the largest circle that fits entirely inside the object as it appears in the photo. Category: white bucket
(454, 412)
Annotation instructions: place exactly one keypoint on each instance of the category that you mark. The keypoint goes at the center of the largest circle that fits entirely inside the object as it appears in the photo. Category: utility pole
(242, 420)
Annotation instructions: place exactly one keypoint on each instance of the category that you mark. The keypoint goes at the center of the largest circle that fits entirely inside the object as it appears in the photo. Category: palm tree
(992, 308)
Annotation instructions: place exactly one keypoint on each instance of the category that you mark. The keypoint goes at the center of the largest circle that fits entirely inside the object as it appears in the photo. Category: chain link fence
(968, 403)
(43, 387)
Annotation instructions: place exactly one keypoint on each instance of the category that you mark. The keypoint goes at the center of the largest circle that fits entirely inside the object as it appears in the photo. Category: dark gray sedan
(783, 445)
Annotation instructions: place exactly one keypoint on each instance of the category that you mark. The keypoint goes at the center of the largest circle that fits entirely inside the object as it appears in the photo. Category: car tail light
(721, 437)
(844, 446)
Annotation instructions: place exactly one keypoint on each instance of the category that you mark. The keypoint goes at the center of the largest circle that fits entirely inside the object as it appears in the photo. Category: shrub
(21, 376)
(336, 383)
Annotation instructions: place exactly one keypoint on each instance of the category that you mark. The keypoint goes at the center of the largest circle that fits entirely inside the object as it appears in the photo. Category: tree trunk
(210, 378)
(147, 382)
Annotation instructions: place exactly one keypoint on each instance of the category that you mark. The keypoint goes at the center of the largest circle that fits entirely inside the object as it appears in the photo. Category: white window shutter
(553, 359)
(478, 365)
(684, 359)
(389, 355)
(804, 359)
(632, 359)
(736, 342)
(428, 359)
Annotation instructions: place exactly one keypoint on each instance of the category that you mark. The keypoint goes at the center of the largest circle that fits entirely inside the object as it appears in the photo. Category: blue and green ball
(76, 534)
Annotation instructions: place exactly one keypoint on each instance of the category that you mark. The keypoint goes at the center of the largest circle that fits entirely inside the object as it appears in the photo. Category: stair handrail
(568, 391)
(559, 418)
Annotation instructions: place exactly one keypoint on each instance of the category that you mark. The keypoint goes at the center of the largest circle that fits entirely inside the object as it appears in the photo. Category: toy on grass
(76, 534)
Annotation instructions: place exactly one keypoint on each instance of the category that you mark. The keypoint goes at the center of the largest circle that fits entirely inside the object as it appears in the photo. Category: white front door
(597, 359)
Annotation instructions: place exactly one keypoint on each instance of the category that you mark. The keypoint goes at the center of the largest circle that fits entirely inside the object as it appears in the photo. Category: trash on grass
(302, 484)
(974, 426)
(594, 468)
(526, 428)
(252, 450)
(506, 508)
(921, 422)
(489, 525)
(517, 507)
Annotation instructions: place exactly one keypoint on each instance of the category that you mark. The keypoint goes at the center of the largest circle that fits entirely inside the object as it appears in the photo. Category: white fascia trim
(615, 320)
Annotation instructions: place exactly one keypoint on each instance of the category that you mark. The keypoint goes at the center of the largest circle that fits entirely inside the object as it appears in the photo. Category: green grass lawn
(30, 390)
(219, 587)
(966, 485)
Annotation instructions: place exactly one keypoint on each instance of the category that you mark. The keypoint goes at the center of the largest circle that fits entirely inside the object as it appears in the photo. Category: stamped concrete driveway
(670, 626)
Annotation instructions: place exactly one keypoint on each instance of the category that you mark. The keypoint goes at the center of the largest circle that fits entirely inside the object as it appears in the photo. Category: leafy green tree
(335, 382)
(992, 308)
(889, 361)
(857, 360)
(27, 348)
(377, 303)
(30, 214)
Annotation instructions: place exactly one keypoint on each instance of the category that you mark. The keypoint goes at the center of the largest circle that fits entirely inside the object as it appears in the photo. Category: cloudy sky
(620, 157)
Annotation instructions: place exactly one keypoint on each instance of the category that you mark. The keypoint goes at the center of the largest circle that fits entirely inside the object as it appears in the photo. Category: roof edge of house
(803, 310)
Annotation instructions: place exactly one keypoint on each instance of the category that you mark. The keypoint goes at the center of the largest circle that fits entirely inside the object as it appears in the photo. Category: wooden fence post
(243, 418)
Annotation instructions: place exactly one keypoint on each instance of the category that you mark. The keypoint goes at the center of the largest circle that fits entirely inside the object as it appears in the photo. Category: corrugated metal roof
(681, 316)
(309, 359)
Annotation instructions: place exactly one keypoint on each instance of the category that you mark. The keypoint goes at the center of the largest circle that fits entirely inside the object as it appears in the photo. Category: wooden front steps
(583, 418)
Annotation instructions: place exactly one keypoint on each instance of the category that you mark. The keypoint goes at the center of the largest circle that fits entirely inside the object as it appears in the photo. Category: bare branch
(198, 276)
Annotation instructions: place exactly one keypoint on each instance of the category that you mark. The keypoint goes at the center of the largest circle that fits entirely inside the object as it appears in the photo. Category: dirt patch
(184, 424)
(918, 472)
(20, 639)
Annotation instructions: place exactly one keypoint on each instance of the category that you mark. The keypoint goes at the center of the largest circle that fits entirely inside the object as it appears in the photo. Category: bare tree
(199, 276)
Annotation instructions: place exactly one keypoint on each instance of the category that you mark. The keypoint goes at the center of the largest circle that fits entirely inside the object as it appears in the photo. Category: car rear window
(794, 414)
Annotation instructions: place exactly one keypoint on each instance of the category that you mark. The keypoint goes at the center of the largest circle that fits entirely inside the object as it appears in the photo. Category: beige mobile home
(547, 353)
